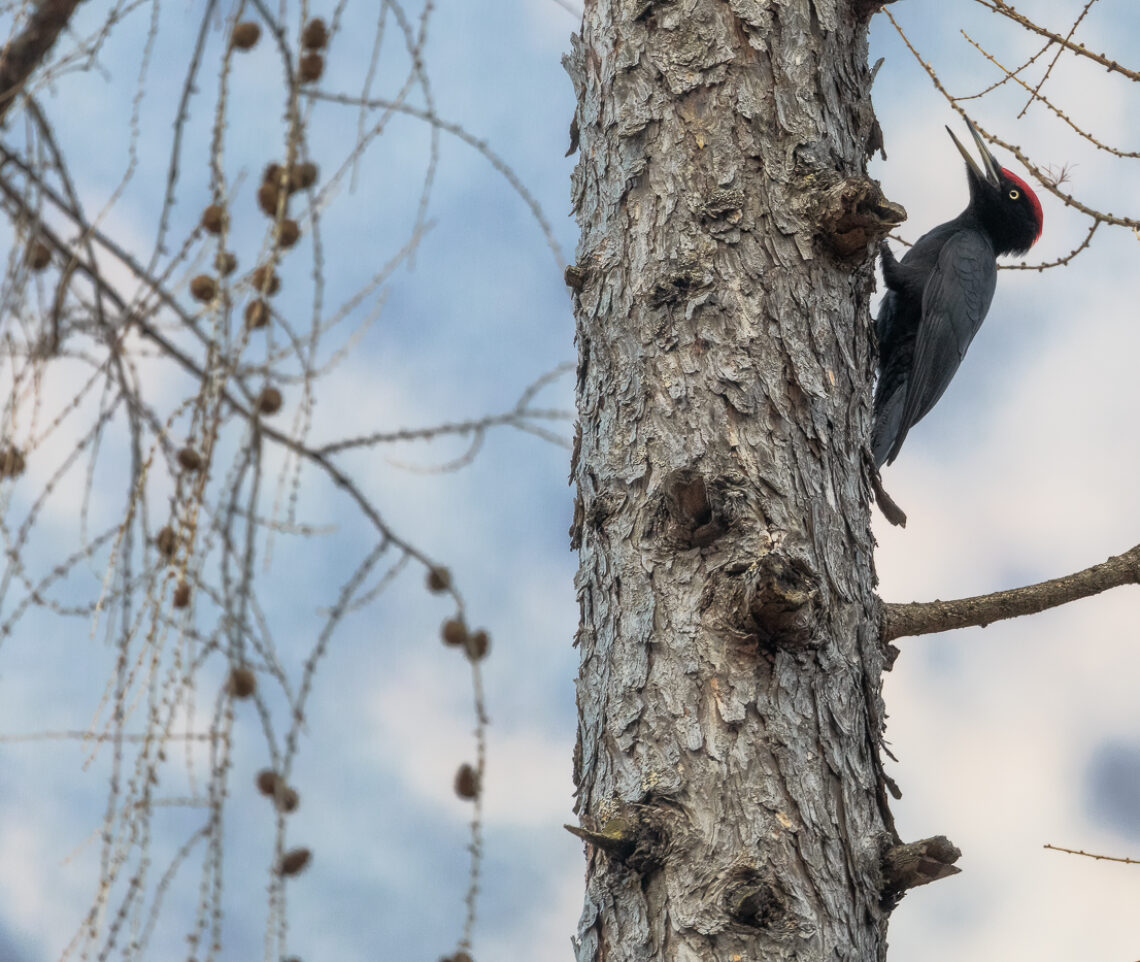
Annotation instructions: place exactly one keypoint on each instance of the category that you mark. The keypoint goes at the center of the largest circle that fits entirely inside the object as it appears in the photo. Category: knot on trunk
(784, 602)
(695, 511)
(575, 277)
(682, 281)
(722, 209)
(852, 216)
(753, 900)
(906, 866)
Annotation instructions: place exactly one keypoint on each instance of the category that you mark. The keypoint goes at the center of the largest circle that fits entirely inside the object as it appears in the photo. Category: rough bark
(729, 788)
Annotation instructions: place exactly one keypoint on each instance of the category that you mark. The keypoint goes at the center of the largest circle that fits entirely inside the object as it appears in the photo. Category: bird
(939, 293)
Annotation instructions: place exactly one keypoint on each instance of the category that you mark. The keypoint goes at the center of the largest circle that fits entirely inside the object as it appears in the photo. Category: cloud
(422, 730)
(1112, 786)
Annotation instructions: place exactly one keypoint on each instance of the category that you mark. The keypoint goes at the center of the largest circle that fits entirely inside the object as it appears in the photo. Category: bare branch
(1049, 183)
(470, 139)
(1057, 56)
(515, 417)
(1035, 94)
(1060, 261)
(1000, 6)
(22, 55)
(923, 618)
(1008, 74)
(1099, 858)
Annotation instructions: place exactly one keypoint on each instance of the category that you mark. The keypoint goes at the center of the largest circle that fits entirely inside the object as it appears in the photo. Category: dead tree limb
(926, 617)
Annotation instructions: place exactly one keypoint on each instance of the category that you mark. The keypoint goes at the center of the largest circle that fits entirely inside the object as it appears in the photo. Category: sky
(1007, 738)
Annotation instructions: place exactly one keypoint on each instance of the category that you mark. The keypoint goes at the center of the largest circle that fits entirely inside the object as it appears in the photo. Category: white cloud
(48, 868)
(544, 926)
(422, 729)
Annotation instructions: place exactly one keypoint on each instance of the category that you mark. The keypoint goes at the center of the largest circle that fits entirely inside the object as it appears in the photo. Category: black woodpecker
(938, 295)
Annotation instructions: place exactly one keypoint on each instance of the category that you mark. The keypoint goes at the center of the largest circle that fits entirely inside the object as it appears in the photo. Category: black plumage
(939, 293)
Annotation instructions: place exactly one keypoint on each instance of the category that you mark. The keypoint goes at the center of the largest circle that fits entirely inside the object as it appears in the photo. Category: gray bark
(727, 767)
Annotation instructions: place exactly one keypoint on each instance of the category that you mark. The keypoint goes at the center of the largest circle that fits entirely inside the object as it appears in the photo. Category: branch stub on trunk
(755, 901)
(911, 864)
(638, 837)
(852, 216)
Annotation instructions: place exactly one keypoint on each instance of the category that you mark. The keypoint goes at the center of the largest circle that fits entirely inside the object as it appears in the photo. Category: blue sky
(1007, 738)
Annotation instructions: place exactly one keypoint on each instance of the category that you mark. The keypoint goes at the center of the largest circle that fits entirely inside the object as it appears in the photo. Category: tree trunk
(729, 785)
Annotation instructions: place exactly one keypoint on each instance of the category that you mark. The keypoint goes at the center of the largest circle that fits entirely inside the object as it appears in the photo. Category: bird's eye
(1014, 194)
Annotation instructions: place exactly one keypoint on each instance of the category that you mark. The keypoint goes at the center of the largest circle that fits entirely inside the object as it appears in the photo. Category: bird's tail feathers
(887, 435)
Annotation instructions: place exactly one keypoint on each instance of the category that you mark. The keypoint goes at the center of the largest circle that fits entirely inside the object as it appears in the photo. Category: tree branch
(922, 618)
(243, 409)
(20, 56)
(1000, 6)
(1099, 858)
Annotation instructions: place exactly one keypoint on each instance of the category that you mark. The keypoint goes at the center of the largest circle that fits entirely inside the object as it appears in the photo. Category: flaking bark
(730, 649)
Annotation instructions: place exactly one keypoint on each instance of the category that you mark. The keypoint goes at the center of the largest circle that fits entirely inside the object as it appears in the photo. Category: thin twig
(1036, 91)
(1104, 858)
(999, 6)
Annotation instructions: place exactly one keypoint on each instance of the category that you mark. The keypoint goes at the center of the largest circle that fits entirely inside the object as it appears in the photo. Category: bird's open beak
(992, 171)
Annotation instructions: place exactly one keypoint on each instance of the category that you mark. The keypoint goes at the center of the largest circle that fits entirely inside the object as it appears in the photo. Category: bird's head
(1003, 203)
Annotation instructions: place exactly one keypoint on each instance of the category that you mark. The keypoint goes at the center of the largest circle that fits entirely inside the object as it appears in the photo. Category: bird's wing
(954, 304)
(890, 389)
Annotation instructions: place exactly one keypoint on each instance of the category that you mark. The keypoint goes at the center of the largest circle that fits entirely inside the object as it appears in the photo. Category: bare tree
(161, 397)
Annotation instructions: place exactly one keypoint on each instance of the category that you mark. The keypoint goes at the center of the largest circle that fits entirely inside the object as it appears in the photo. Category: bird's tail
(887, 434)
